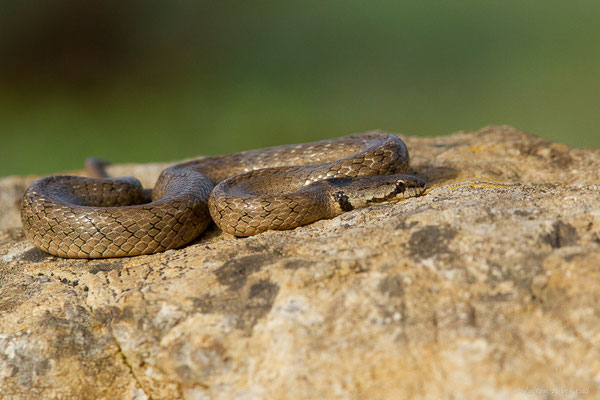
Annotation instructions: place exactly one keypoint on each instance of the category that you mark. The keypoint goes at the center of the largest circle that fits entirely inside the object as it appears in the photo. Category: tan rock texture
(486, 287)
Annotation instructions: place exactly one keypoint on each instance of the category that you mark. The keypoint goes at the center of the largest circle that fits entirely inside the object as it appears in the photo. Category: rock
(485, 287)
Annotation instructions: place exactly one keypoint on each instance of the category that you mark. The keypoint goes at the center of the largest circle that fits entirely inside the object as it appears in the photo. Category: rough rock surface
(487, 287)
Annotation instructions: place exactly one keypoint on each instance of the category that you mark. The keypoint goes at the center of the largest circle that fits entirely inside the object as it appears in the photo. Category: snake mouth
(414, 192)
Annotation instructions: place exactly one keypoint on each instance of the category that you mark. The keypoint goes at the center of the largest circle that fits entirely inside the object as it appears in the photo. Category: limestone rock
(486, 287)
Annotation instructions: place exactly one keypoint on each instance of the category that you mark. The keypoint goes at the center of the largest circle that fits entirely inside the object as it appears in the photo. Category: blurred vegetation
(139, 81)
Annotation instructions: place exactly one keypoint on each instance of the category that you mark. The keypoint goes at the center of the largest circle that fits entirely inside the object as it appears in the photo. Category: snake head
(408, 186)
(351, 193)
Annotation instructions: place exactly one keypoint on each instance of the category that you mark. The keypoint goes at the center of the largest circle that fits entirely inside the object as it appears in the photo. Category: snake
(244, 193)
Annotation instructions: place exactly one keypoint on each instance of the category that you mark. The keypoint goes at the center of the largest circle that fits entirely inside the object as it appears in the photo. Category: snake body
(245, 194)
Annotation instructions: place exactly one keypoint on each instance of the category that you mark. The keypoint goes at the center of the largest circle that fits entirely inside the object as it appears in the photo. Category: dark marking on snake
(343, 201)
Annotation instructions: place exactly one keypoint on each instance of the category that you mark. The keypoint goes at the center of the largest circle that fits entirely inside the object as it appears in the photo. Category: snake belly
(244, 193)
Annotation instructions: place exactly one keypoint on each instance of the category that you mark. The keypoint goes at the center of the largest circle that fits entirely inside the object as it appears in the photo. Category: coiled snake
(245, 193)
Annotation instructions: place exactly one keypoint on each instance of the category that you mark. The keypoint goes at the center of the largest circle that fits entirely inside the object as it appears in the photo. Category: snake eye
(400, 186)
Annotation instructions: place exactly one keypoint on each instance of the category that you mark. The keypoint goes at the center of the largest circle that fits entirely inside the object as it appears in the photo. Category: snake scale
(244, 193)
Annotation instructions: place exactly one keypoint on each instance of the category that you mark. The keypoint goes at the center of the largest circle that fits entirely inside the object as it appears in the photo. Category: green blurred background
(137, 81)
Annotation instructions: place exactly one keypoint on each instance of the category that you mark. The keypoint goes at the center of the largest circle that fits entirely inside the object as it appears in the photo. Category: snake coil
(245, 194)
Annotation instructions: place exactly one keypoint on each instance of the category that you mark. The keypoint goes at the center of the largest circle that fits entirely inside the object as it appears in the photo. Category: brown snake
(274, 188)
